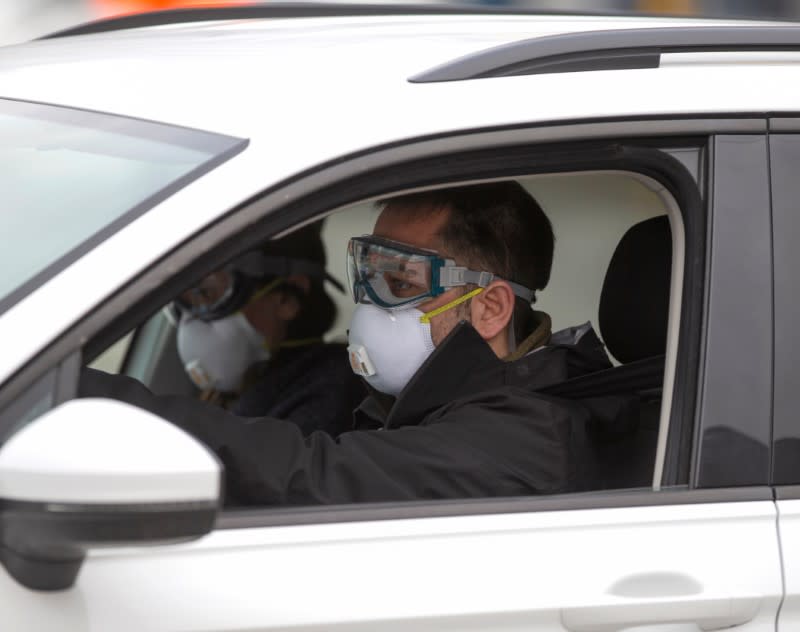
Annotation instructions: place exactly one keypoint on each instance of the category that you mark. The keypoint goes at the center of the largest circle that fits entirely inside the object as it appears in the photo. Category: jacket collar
(454, 367)
(464, 364)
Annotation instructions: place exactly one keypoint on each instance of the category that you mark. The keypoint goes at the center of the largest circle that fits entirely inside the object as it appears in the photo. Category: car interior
(613, 268)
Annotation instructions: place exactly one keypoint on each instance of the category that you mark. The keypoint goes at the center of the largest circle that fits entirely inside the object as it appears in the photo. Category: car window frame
(784, 144)
(53, 387)
(413, 164)
(732, 441)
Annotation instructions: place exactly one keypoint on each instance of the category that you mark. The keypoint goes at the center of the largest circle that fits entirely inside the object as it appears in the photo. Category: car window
(611, 276)
(610, 282)
(69, 176)
(112, 359)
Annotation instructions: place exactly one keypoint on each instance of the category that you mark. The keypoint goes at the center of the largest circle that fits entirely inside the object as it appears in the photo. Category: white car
(138, 154)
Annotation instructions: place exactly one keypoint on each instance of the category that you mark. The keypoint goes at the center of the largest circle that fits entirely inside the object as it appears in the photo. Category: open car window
(613, 266)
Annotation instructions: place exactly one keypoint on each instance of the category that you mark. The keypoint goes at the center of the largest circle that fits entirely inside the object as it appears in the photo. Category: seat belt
(634, 377)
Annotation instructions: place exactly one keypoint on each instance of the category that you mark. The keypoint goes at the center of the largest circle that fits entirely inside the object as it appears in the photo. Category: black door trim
(256, 518)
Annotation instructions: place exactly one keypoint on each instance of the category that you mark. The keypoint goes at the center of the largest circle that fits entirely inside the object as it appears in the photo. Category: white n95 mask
(387, 347)
(216, 353)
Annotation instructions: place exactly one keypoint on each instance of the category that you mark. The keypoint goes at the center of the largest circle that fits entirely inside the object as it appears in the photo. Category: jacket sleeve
(323, 397)
(497, 445)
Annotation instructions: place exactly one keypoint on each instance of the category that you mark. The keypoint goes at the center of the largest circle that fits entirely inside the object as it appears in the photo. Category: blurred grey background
(21, 20)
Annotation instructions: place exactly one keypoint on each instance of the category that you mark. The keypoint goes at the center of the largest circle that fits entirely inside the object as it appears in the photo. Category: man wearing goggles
(389, 280)
(250, 336)
(454, 357)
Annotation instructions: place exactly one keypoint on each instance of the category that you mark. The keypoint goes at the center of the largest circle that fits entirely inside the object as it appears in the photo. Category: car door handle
(657, 599)
(707, 614)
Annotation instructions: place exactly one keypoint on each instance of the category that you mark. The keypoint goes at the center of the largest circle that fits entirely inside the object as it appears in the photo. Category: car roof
(306, 91)
(269, 72)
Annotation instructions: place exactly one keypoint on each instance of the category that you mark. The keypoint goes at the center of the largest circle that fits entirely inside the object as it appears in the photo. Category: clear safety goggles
(392, 274)
(226, 291)
(218, 295)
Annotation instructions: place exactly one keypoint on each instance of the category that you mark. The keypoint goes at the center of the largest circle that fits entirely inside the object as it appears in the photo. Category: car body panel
(533, 571)
(789, 514)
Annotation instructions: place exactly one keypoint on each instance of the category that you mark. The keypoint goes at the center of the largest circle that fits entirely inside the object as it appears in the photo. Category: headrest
(634, 304)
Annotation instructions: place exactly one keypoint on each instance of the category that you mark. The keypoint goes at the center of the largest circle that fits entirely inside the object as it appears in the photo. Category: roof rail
(309, 10)
(609, 50)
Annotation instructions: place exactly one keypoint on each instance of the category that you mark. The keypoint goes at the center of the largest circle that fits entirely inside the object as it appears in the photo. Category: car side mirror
(98, 472)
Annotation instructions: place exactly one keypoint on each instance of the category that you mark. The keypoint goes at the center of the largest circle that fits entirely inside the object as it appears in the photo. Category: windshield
(70, 178)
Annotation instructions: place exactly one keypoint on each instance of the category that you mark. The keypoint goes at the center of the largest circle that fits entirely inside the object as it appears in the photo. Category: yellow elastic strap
(426, 318)
(266, 289)
(300, 342)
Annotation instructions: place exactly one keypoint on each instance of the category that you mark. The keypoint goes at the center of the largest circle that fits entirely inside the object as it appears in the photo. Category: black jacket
(311, 386)
(467, 425)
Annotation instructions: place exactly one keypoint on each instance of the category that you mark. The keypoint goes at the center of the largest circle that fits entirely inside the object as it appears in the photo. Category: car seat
(634, 309)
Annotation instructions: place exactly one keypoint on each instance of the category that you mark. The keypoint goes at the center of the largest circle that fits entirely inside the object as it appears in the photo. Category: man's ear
(492, 310)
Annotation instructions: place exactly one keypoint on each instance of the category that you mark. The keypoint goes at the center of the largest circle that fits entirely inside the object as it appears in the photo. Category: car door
(697, 550)
(784, 145)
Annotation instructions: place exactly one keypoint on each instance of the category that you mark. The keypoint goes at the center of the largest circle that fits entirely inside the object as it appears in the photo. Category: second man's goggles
(392, 274)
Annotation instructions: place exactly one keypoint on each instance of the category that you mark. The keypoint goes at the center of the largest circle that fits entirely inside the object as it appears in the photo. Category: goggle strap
(478, 278)
(426, 318)
(521, 291)
(451, 276)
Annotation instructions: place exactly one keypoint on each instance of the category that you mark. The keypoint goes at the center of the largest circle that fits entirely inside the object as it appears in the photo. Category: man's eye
(399, 284)
(400, 287)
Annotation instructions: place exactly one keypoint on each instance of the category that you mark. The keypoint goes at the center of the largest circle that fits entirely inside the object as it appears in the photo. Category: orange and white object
(108, 8)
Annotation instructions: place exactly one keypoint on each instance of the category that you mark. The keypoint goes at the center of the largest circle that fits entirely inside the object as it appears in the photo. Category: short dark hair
(498, 227)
